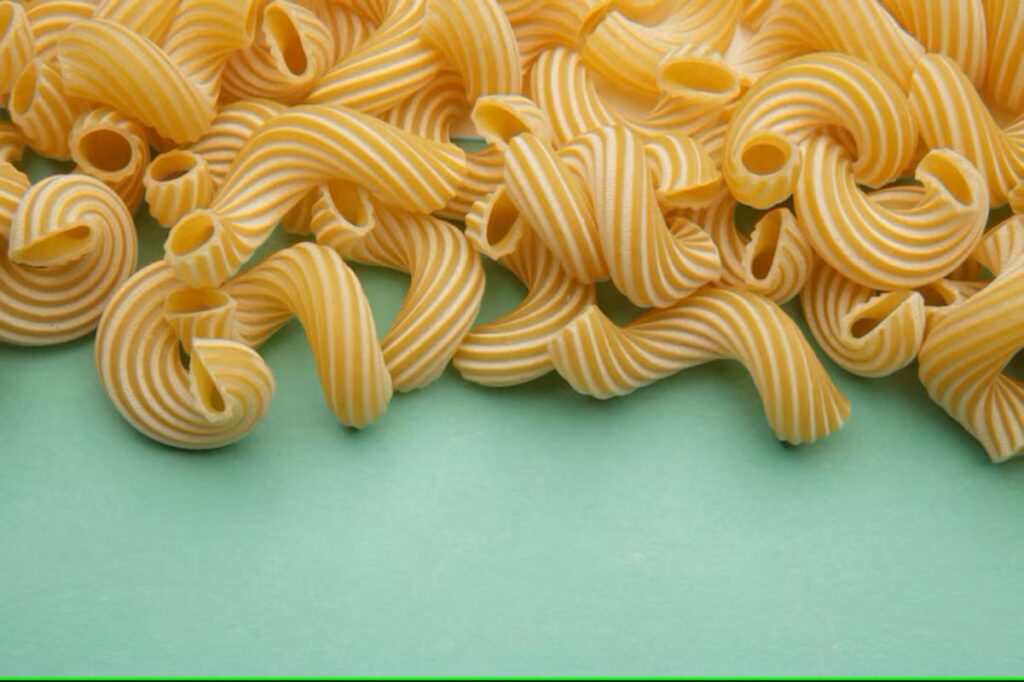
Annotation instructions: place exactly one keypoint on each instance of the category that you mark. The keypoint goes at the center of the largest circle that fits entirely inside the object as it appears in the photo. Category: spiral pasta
(484, 173)
(177, 183)
(49, 18)
(43, 110)
(12, 143)
(603, 360)
(499, 118)
(113, 149)
(1004, 81)
(207, 247)
(434, 110)
(222, 395)
(231, 128)
(762, 149)
(69, 245)
(17, 46)
(148, 18)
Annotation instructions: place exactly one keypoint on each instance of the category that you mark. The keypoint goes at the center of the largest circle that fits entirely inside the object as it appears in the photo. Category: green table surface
(518, 531)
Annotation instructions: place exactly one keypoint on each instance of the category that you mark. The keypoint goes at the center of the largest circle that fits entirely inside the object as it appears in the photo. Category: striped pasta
(1017, 199)
(42, 109)
(543, 24)
(68, 246)
(887, 244)
(495, 226)
(512, 350)
(294, 153)
(698, 73)
(955, 28)
(17, 46)
(1004, 80)
(762, 148)
(313, 284)
(148, 18)
(499, 118)
(755, 12)
(484, 173)
(113, 149)
(952, 114)
(347, 28)
(12, 143)
(434, 110)
(222, 395)
(49, 18)
(232, 127)
(603, 360)
(177, 183)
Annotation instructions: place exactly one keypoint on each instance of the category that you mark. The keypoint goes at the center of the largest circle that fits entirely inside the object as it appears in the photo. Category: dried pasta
(43, 110)
(1004, 80)
(955, 28)
(114, 149)
(148, 18)
(49, 18)
(177, 183)
(12, 143)
(17, 46)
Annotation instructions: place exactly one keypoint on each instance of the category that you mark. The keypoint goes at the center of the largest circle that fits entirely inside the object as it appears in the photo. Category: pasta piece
(650, 264)
(69, 246)
(347, 28)
(292, 154)
(299, 220)
(148, 18)
(1004, 80)
(13, 186)
(545, 24)
(867, 333)
(603, 360)
(499, 118)
(968, 346)
(495, 226)
(484, 173)
(476, 36)
(17, 47)
(774, 261)
(43, 111)
(685, 175)
(12, 143)
(292, 52)
(955, 28)
(755, 12)
(222, 395)
(885, 246)
(313, 284)
(447, 278)
(762, 148)
(231, 129)
(177, 183)
(113, 149)
(512, 350)
(952, 114)
(391, 65)
(1017, 199)
(698, 73)
(49, 18)
(434, 110)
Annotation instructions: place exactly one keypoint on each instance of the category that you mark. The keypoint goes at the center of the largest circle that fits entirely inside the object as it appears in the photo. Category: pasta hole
(24, 92)
(864, 326)
(945, 170)
(191, 301)
(876, 311)
(495, 120)
(282, 31)
(208, 393)
(1015, 367)
(60, 247)
(766, 156)
(349, 203)
(502, 219)
(935, 296)
(191, 233)
(702, 76)
(106, 150)
(172, 166)
(766, 244)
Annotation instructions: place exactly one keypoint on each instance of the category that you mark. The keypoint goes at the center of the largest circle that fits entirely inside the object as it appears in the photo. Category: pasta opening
(947, 173)
(208, 393)
(24, 92)
(766, 244)
(936, 297)
(190, 234)
(171, 166)
(189, 301)
(495, 121)
(502, 219)
(1014, 368)
(106, 150)
(875, 312)
(698, 76)
(766, 155)
(282, 31)
(57, 248)
(349, 203)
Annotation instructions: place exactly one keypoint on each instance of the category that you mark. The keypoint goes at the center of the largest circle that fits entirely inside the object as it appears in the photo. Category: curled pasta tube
(49, 18)
(177, 183)
(512, 350)
(774, 261)
(952, 114)
(434, 110)
(113, 149)
(12, 143)
(312, 283)
(348, 28)
(499, 118)
(650, 264)
(447, 278)
(292, 51)
(867, 333)
(149, 18)
(495, 226)
(1017, 199)
(603, 360)
(968, 346)
(222, 395)
(232, 127)
(545, 24)
(762, 148)
(754, 12)
(314, 144)
(17, 46)
(698, 73)
(42, 109)
(1004, 80)
(70, 244)
(887, 246)
(484, 173)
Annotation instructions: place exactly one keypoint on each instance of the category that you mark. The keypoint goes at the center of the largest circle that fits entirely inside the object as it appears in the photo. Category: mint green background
(518, 531)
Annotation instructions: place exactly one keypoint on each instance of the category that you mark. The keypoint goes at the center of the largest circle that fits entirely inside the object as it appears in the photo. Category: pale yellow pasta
(43, 111)
(885, 246)
(952, 114)
(513, 350)
(476, 37)
(17, 46)
(754, 12)
(495, 226)
(447, 278)
(865, 332)
(698, 73)
(348, 29)
(312, 283)
(650, 264)
(299, 219)
(68, 247)
(292, 154)
(148, 18)
(1004, 82)
(113, 149)
(499, 118)
(292, 51)
(543, 24)
(391, 65)
(222, 395)
(177, 183)
(955, 28)
(969, 345)
(232, 127)
(685, 175)
(1017, 199)
(434, 110)
(774, 261)
(762, 156)
(601, 359)
(12, 143)
(49, 18)
(484, 172)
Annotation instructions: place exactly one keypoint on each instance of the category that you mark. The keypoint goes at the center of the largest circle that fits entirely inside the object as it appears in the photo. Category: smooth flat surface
(520, 531)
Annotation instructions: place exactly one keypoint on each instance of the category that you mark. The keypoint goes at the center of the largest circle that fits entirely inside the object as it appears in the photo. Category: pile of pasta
(873, 138)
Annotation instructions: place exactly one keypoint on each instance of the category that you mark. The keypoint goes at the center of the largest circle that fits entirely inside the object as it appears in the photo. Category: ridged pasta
(434, 110)
(955, 28)
(113, 149)
(951, 114)
(969, 345)
(217, 400)
(291, 155)
(603, 360)
(865, 332)
(650, 264)
(754, 12)
(513, 349)
(43, 110)
(232, 127)
(446, 279)
(495, 226)
(69, 245)
(12, 143)
(762, 156)
(1017, 199)
(49, 18)
(1004, 79)
(177, 183)
(476, 36)
(148, 18)
(891, 245)
(774, 261)
(698, 73)
(312, 283)
(17, 47)
(484, 173)
(543, 24)
(499, 118)
(292, 51)
(347, 28)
